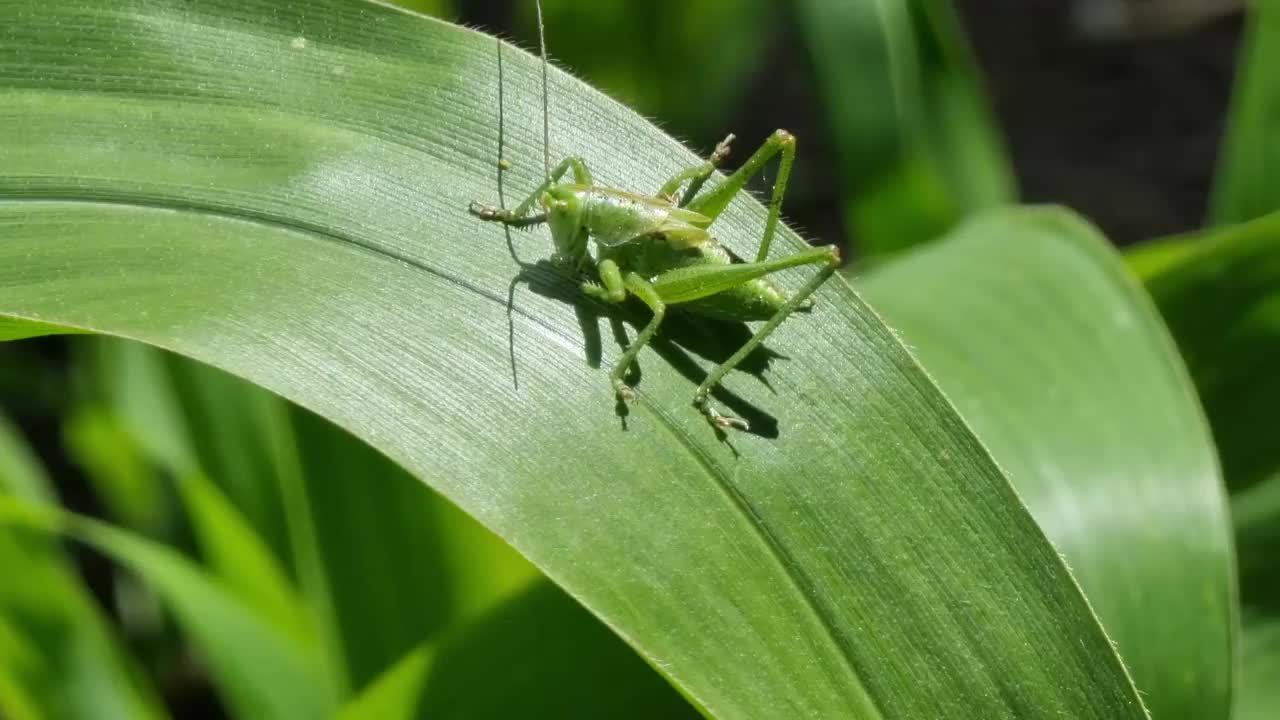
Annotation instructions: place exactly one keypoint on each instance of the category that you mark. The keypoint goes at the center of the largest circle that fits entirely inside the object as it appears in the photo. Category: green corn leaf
(305, 228)
(1248, 182)
(916, 143)
(1219, 291)
(1259, 695)
(1031, 325)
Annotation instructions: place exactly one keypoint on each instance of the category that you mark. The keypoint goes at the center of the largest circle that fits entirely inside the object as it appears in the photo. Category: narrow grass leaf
(916, 143)
(58, 655)
(394, 694)
(239, 645)
(1248, 182)
(135, 445)
(385, 562)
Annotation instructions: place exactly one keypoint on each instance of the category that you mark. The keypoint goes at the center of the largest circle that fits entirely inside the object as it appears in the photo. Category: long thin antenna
(546, 132)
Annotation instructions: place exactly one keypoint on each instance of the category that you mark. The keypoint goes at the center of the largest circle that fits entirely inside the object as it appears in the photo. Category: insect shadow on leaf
(677, 342)
(658, 249)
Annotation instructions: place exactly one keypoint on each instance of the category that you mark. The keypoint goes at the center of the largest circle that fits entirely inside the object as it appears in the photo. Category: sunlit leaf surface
(279, 190)
(1031, 325)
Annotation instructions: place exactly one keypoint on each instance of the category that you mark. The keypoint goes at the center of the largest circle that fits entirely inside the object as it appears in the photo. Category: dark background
(1123, 129)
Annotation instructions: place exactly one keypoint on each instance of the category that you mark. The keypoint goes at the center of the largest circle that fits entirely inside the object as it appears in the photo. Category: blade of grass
(1259, 695)
(1248, 182)
(58, 656)
(139, 437)
(236, 642)
(395, 693)
(394, 564)
(916, 143)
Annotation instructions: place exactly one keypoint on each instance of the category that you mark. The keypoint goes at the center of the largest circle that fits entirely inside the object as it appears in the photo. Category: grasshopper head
(564, 216)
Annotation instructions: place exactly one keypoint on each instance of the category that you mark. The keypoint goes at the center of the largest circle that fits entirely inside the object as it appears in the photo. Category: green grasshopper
(659, 248)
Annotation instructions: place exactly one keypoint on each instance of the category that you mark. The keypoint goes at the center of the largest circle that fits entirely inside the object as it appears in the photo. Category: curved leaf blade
(305, 229)
(1031, 325)
(1260, 650)
(1245, 187)
(1219, 291)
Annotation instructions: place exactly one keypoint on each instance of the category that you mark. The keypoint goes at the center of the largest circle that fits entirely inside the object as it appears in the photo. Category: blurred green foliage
(245, 534)
(917, 148)
(686, 65)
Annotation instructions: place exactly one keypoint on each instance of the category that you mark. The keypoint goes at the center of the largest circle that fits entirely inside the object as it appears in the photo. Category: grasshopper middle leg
(694, 283)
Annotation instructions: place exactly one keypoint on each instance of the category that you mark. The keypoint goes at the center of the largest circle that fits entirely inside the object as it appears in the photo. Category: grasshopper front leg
(519, 216)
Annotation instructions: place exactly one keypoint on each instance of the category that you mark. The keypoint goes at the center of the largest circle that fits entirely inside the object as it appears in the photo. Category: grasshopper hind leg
(802, 300)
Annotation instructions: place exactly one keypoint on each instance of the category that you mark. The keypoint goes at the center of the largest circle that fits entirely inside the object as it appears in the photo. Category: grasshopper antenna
(546, 133)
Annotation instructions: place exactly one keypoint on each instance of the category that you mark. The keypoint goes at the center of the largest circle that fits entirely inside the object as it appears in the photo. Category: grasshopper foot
(726, 422)
(720, 420)
(486, 212)
(625, 393)
(722, 150)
